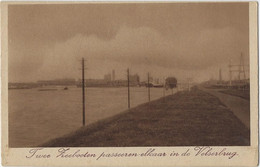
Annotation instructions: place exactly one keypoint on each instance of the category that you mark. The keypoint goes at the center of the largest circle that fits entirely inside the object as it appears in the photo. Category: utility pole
(128, 88)
(164, 87)
(83, 92)
(230, 73)
(148, 87)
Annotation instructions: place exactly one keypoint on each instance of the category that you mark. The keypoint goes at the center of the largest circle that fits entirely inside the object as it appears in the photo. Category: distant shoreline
(80, 87)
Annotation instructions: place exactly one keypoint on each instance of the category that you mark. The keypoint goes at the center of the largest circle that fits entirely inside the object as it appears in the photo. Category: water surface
(38, 116)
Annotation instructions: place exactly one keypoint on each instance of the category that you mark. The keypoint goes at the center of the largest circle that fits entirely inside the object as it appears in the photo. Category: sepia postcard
(129, 83)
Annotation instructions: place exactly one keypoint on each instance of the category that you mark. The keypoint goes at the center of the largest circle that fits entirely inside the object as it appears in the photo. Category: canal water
(38, 116)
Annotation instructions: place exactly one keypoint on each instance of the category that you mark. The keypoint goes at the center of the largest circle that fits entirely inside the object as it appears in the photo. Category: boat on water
(158, 85)
(155, 85)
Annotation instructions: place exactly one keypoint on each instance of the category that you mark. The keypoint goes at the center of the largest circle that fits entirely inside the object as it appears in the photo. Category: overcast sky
(170, 39)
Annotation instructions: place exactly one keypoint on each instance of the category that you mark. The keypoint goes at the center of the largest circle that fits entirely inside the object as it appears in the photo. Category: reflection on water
(38, 116)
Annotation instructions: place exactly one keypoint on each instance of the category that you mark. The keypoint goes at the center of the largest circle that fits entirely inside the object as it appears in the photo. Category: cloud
(142, 49)
(168, 37)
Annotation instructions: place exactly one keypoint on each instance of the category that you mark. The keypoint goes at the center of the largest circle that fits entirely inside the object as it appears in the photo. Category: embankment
(183, 119)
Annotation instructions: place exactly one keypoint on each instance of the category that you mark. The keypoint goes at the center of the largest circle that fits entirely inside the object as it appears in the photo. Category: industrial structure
(238, 70)
(237, 76)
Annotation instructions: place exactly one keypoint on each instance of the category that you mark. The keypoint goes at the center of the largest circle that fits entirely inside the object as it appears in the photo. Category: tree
(171, 82)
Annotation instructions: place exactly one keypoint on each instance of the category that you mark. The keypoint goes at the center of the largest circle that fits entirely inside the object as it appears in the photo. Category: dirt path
(239, 106)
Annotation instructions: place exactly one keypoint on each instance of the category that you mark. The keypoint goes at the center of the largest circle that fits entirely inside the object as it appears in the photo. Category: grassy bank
(183, 119)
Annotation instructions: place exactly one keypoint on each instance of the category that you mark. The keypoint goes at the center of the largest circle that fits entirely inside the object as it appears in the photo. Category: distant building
(66, 81)
(134, 79)
(107, 77)
(97, 83)
(22, 85)
(113, 75)
(110, 81)
(119, 83)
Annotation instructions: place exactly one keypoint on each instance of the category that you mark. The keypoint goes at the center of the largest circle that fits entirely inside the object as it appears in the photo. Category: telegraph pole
(83, 92)
(164, 87)
(230, 74)
(148, 87)
(128, 88)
